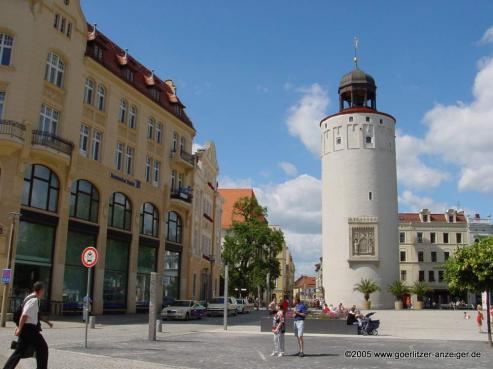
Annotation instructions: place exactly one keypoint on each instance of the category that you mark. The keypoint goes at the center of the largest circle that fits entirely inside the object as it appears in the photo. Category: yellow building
(284, 284)
(95, 149)
(206, 227)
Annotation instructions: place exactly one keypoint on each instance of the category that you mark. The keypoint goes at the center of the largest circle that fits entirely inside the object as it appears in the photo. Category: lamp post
(10, 265)
(212, 261)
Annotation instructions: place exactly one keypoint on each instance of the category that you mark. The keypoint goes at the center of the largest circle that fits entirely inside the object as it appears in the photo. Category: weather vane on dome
(355, 45)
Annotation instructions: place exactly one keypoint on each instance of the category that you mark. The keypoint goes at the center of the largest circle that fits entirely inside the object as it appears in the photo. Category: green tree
(366, 286)
(471, 268)
(251, 247)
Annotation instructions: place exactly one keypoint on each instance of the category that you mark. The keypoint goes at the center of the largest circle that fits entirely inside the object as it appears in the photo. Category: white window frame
(132, 117)
(2, 103)
(49, 119)
(101, 97)
(119, 156)
(89, 91)
(148, 168)
(175, 141)
(174, 176)
(122, 114)
(6, 44)
(97, 141)
(129, 160)
(84, 139)
(183, 143)
(159, 132)
(156, 172)
(151, 123)
(55, 69)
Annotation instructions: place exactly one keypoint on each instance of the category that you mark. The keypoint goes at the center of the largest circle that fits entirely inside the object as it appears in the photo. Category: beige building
(426, 241)
(284, 284)
(206, 226)
(95, 149)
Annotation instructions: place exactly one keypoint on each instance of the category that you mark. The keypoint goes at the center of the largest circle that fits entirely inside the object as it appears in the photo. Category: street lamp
(212, 260)
(10, 265)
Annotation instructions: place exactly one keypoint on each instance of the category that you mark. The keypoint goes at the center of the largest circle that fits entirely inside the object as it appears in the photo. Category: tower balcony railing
(182, 193)
(52, 141)
(12, 129)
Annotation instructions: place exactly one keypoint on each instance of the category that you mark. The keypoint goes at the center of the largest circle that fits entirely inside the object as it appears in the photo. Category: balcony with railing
(183, 157)
(52, 141)
(183, 194)
(12, 129)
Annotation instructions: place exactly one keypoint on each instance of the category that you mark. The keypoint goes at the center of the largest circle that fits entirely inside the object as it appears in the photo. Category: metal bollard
(92, 321)
(159, 325)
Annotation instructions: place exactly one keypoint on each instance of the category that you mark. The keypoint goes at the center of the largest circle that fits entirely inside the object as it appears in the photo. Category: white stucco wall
(350, 171)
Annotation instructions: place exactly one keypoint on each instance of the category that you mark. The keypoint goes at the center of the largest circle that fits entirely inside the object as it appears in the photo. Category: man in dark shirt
(300, 313)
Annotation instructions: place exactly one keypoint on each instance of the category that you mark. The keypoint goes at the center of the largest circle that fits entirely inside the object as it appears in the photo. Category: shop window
(120, 212)
(174, 227)
(149, 220)
(41, 188)
(84, 201)
(115, 275)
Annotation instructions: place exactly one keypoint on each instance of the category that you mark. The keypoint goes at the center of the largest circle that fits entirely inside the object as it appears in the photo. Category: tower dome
(357, 89)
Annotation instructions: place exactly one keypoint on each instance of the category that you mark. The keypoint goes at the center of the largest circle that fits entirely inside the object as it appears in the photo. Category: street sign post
(89, 258)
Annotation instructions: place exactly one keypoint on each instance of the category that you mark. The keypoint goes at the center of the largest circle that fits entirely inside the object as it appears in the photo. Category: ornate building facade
(95, 149)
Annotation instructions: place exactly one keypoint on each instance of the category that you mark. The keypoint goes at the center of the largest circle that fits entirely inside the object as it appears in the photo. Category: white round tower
(359, 195)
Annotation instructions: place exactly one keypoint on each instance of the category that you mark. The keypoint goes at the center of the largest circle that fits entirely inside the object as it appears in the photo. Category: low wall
(320, 326)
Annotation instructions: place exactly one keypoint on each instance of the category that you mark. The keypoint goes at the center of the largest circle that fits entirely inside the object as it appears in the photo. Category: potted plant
(366, 286)
(420, 289)
(398, 289)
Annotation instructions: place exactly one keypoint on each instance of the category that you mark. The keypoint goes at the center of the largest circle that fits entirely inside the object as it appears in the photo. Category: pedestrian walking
(300, 313)
(28, 330)
(279, 329)
(479, 318)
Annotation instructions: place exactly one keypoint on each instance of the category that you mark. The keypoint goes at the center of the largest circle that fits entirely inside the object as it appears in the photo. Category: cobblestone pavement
(119, 342)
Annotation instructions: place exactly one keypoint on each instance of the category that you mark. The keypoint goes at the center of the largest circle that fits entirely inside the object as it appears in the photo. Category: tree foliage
(366, 286)
(398, 289)
(471, 268)
(251, 247)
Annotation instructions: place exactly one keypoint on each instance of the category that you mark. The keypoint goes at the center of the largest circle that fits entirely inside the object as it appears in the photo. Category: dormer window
(155, 94)
(128, 75)
(450, 218)
(97, 51)
(425, 218)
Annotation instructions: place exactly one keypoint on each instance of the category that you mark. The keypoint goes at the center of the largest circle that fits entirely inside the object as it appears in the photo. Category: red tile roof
(305, 282)
(231, 196)
(116, 60)
(414, 217)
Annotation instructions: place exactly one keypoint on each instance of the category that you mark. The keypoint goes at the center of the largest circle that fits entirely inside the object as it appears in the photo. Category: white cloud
(228, 182)
(196, 147)
(288, 168)
(480, 179)
(462, 134)
(305, 116)
(488, 36)
(409, 201)
(412, 172)
(295, 205)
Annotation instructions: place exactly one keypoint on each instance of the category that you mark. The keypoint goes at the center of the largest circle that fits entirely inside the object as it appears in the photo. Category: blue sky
(256, 76)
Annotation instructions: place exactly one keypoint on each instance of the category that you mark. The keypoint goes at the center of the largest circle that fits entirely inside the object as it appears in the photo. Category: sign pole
(89, 258)
(87, 303)
(226, 299)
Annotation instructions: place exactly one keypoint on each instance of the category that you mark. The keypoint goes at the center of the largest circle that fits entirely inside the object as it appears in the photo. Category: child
(278, 328)
(466, 316)
(479, 318)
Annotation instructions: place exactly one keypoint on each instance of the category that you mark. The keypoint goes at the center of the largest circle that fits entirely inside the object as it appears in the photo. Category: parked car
(244, 306)
(183, 309)
(216, 306)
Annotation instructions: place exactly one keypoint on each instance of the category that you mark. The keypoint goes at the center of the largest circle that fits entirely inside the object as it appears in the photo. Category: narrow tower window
(370, 195)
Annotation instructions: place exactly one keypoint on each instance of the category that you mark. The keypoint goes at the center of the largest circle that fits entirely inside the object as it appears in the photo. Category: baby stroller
(367, 326)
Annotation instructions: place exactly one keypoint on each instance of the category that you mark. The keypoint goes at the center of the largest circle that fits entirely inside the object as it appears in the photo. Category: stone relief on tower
(363, 237)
